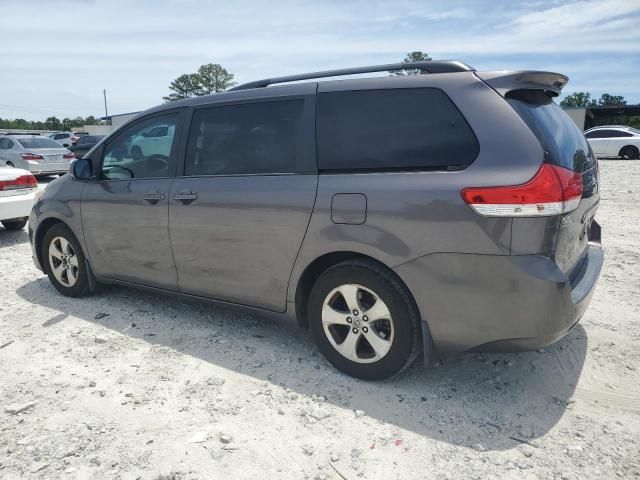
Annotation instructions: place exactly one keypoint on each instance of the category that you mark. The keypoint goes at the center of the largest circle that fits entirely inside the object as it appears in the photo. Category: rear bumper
(16, 206)
(499, 303)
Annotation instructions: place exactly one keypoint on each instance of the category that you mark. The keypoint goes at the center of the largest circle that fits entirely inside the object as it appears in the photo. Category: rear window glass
(395, 129)
(38, 143)
(563, 142)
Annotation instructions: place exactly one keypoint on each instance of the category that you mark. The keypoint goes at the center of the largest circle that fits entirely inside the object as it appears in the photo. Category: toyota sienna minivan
(391, 216)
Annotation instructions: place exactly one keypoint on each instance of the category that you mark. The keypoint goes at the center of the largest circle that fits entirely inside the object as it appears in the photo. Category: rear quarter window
(395, 129)
(563, 142)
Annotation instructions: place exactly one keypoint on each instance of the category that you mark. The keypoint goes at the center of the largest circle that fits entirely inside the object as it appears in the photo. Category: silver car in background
(39, 155)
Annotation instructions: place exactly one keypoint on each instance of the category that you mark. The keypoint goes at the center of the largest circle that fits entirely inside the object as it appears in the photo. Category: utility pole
(106, 112)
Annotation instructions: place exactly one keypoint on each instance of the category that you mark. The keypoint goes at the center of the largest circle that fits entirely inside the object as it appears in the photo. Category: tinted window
(133, 154)
(59, 136)
(5, 144)
(243, 139)
(392, 129)
(38, 142)
(619, 134)
(603, 134)
(560, 137)
(594, 134)
(89, 139)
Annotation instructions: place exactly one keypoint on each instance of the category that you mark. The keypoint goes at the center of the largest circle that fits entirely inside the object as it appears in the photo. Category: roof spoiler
(504, 82)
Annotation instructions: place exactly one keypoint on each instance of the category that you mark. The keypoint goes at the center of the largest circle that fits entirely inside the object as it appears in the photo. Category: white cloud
(68, 51)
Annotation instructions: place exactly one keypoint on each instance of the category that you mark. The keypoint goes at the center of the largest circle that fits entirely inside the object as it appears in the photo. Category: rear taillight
(31, 156)
(552, 191)
(69, 155)
(23, 181)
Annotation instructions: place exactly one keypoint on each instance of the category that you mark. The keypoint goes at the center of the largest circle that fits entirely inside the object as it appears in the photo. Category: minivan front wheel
(64, 262)
(364, 320)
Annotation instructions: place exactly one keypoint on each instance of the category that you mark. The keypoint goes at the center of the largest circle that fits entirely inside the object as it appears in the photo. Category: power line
(44, 110)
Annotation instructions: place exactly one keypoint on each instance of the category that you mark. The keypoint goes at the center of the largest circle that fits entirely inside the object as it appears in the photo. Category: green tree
(52, 123)
(213, 78)
(210, 78)
(185, 86)
(610, 100)
(578, 99)
(66, 124)
(416, 56)
(21, 123)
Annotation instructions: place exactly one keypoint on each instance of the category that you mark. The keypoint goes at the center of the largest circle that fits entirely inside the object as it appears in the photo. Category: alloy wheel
(357, 323)
(63, 261)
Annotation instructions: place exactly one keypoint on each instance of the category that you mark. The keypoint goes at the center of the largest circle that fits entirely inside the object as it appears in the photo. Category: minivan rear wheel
(64, 261)
(364, 320)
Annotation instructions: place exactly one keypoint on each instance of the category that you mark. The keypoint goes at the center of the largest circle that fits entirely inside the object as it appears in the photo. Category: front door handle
(153, 197)
(186, 196)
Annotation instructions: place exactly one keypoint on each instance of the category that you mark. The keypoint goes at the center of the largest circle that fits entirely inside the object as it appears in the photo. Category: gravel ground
(130, 385)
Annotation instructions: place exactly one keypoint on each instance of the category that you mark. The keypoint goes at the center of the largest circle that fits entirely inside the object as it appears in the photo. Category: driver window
(141, 151)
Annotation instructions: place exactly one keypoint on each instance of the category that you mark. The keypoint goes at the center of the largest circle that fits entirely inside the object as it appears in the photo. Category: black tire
(407, 337)
(15, 223)
(10, 164)
(630, 152)
(81, 286)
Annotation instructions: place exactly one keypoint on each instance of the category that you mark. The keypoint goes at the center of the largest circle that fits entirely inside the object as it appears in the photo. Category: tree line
(583, 99)
(51, 123)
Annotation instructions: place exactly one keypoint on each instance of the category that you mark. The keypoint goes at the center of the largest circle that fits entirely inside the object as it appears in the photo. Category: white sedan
(17, 195)
(614, 141)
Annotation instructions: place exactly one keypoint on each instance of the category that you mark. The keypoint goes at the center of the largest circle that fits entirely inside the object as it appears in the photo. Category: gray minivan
(391, 216)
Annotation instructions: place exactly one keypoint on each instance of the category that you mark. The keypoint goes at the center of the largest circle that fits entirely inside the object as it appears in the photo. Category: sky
(57, 56)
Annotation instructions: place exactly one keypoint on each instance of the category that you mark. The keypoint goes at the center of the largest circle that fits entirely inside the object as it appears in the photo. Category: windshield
(39, 142)
(562, 140)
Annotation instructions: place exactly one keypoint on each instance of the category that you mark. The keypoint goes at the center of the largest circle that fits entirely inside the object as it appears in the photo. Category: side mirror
(81, 169)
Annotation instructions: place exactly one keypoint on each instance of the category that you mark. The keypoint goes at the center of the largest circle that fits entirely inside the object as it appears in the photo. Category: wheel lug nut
(365, 318)
(355, 312)
(349, 320)
(355, 330)
(365, 329)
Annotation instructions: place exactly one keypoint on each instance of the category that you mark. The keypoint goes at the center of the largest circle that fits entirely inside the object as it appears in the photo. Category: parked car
(155, 140)
(84, 144)
(39, 155)
(65, 139)
(386, 215)
(17, 196)
(614, 141)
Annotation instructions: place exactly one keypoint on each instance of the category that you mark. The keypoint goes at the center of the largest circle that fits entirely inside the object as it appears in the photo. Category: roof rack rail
(429, 66)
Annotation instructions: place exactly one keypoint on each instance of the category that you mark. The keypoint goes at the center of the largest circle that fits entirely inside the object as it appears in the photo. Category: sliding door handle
(153, 197)
(186, 196)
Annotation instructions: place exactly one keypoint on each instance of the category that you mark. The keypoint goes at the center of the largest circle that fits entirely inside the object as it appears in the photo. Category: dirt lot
(130, 385)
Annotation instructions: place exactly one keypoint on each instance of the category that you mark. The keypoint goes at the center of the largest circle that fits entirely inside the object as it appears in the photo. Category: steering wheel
(129, 171)
(157, 162)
